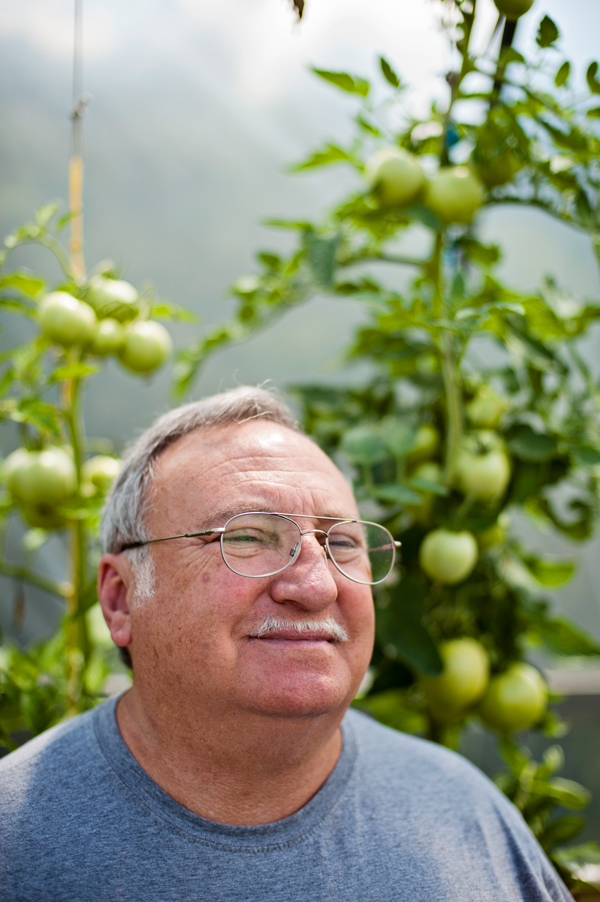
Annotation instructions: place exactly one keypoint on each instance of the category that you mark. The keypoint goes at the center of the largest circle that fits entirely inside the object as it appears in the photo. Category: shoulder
(418, 772)
(55, 759)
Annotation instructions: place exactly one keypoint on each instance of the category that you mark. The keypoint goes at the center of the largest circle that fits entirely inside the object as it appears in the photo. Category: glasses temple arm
(186, 535)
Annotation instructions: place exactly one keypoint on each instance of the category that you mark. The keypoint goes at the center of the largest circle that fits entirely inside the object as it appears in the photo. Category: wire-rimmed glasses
(260, 543)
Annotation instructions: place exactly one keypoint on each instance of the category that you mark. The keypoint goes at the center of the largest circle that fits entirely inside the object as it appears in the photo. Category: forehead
(257, 465)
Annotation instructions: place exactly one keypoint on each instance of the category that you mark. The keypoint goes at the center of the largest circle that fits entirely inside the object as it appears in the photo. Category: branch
(41, 582)
(383, 258)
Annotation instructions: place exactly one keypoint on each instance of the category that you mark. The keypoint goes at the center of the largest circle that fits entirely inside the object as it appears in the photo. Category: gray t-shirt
(398, 819)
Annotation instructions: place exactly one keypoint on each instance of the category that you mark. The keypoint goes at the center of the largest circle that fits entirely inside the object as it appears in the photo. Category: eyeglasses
(258, 544)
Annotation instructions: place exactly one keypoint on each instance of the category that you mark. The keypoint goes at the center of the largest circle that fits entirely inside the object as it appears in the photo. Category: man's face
(193, 640)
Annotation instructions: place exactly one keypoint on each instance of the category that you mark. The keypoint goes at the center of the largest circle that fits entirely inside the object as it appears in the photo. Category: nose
(309, 582)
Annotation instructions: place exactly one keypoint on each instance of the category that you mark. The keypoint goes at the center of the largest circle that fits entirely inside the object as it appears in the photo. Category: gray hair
(123, 516)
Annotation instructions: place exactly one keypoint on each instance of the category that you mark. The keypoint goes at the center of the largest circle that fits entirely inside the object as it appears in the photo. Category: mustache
(336, 632)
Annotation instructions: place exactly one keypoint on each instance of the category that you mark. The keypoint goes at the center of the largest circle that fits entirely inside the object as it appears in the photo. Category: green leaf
(590, 75)
(586, 457)
(42, 416)
(564, 638)
(363, 445)
(401, 624)
(577, 856)
(331, 153)
(533, 350)
(164, 310)
(388, 73)
(389, 708)
(44, 214)
(74, 371)
(293, 224)
(352, 84)
(395, 493)
(321, 254)
(29, 285)
(547, 32)
(271, 261)
(510, 55)
(367, 126)
(562, 76)
(566, 792)
(486, 254)
(426, 485)
(398, 436)
(547, 572)
(561, 831)
(527, 444)
(577, 529)
(18, 307)
(594, 113)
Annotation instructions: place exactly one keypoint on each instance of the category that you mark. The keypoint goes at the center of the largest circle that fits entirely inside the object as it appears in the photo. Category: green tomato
(41, 477)
(486, 409)
(66, 320)
(101, 471)
(483, 476)
(42, 516)
(14, 466)
(454, 195)
(113, 298)
(463, 680)
(515, 699)
(427, 441)
(146, 347)
(513, 9)
(108, 338)
(448, 557)
(395, 177)
(498, 169)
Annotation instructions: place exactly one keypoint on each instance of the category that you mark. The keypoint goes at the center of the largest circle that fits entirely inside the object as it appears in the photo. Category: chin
(313, 697)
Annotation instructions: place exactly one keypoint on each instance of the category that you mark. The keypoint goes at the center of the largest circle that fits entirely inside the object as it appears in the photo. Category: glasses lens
(362, 551)
(260, 544)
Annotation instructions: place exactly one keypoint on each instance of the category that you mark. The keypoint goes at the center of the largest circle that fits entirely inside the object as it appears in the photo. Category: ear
(115, 586)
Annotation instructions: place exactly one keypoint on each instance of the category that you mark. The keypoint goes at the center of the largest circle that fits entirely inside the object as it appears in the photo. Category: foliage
(480, 406)
(42, 382)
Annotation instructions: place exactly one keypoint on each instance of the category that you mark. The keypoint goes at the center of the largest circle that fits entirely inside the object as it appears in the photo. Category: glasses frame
(220, 531)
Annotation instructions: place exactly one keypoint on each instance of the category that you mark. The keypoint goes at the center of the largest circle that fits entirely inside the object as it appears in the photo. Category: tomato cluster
(45, 487)
(397, 180)
(105, 321)
(514, 699)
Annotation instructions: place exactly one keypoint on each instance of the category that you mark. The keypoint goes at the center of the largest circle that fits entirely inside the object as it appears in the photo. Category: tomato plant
(448, 443)
(54, 481)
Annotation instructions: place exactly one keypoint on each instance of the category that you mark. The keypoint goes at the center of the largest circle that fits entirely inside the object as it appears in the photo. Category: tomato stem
(76, 638)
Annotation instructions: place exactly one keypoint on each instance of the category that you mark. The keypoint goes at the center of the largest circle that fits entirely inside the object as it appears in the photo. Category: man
(239, 583)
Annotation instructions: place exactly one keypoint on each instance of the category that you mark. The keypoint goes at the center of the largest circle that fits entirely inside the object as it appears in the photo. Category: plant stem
(41, 582)
(455, 78)
(76, 640)
(453, 407)
(383, 258)
(449, 363)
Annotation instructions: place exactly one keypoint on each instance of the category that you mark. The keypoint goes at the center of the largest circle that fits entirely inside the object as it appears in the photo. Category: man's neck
(242, 770)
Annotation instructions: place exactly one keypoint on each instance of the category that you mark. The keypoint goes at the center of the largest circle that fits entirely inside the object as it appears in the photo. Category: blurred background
(196, 110)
